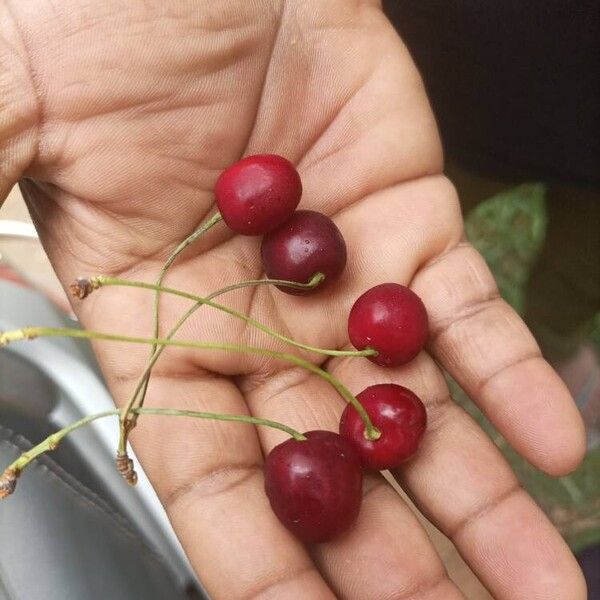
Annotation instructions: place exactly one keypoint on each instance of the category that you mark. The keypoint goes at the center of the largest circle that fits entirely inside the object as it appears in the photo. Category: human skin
(117, 118)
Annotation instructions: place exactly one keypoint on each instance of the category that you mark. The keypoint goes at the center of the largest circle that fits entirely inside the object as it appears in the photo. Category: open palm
(139, 106)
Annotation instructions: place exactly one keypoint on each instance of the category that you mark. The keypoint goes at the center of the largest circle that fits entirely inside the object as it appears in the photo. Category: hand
(140, 105)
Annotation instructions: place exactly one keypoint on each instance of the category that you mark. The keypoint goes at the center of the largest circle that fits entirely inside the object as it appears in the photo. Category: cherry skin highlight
(258, 193)
(315, 486)
(400, 417)
(391, 319)
(306, 244)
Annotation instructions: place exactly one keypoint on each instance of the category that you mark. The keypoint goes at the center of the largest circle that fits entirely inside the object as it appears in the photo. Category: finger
(486, 347)
(372, 560)
(461, 482)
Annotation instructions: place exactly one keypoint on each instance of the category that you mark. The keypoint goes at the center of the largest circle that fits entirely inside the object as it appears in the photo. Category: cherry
(400, 417)
(315, 486)
(391, 319)
(258, 193)
(307, 243)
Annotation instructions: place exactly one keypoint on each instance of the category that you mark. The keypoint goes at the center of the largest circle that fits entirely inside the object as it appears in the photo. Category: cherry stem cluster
(201, 302)
(133, 408)
(83, 287)
(128, 419)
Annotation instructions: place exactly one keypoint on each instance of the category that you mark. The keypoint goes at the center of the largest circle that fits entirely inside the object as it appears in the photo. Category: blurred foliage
(509, 231)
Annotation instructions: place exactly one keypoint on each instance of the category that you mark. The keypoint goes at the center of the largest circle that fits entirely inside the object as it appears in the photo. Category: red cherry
(391, 319)
(307, 243)
(400, 417)
(315, 486)
(258, 193)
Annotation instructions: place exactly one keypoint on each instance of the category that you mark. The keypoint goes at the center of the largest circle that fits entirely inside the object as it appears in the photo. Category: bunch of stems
(133, 408)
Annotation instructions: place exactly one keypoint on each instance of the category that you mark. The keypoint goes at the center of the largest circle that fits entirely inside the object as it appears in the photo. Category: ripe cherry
(391, 319)
(315, 486)
(258, 193)
(400, 417)
(306, 244)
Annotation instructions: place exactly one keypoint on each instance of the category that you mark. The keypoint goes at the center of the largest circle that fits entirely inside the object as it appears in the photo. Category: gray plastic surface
(105, 526)
(62, 542)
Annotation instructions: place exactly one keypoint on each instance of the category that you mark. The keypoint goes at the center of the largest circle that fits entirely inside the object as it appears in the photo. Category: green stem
(52, 441)
(216, 218)
(103, 281)
(29, 333)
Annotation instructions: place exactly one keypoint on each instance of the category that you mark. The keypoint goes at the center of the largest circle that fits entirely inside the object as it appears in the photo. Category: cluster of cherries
(315, 485)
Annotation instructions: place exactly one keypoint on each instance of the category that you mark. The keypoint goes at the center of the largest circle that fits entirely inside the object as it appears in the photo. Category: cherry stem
(13, 471)
(29, 333)
(216, 218)
(103, 281)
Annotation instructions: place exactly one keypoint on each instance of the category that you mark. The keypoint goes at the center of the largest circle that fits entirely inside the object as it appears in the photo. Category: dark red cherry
(391, 319)
(400, 417)
(307, 243)
(258, 193)
(315, 486)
